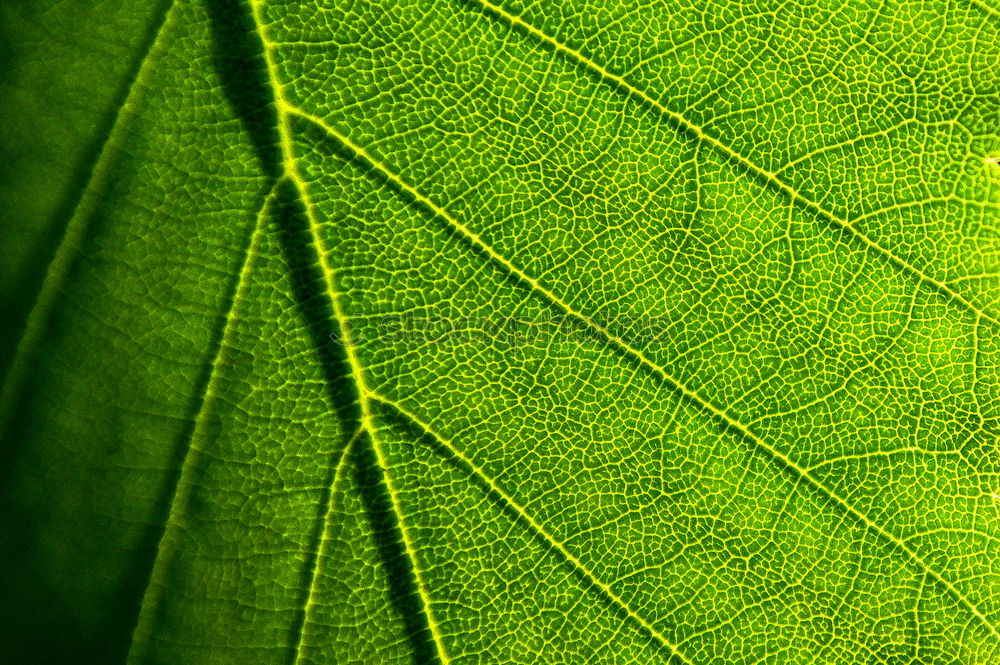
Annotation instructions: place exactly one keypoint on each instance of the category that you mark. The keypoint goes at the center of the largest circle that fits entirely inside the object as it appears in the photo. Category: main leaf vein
(291, 169)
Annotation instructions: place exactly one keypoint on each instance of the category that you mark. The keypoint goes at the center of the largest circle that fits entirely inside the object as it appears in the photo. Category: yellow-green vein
(291, 169)
(540, 529)
(331, 504)
(181, 495)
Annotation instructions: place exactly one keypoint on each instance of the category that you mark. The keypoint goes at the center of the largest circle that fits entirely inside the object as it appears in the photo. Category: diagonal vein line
(638, 355)
(291, 169)
(768, 177)
(546, 535)
(182, 488)
(76, 227)
(324, 539)
(992, 11)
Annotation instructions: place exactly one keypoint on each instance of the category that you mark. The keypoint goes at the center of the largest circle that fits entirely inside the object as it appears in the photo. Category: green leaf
(467, 332)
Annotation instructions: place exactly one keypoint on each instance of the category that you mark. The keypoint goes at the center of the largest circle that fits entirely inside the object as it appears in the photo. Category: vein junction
(291, 169)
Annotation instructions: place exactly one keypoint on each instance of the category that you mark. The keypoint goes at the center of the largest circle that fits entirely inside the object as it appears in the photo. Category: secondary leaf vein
(767, 176)
(76, 227)
(546, 535)
(181, 493)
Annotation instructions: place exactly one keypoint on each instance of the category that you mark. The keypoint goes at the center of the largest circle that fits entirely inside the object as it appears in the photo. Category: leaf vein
(62, 259)
(291, 169)
(181, 492)
(324, 539)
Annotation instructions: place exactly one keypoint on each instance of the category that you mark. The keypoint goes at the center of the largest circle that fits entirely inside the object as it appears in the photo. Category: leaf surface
(520, 332)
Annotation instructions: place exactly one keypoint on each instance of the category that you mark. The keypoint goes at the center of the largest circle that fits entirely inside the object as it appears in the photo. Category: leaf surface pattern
(799, 466)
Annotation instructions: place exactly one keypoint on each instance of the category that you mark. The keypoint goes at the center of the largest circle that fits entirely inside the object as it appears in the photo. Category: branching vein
(291, 169)
(181, 495)
(546, 535)
(343, 460)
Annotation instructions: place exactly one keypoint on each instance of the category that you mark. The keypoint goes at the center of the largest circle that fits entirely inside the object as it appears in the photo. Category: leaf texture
(705, 365)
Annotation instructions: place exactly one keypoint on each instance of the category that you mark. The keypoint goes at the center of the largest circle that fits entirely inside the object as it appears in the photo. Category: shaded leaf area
(63, 80)
(217, 451)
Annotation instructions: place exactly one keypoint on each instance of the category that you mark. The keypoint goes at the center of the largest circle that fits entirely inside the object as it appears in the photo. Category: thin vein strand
(181, 493)
(76, 228)
(324, 538)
